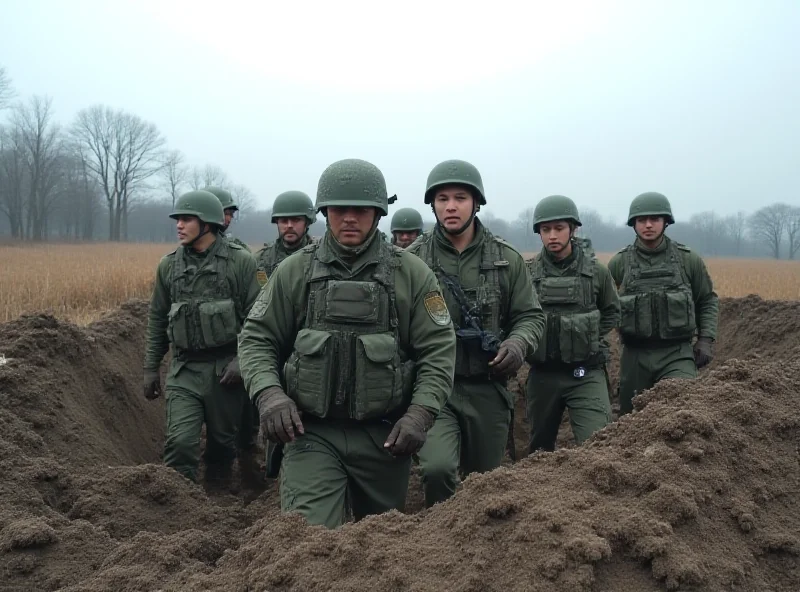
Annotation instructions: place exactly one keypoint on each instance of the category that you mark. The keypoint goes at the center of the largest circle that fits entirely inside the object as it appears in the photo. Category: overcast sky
(597, 100)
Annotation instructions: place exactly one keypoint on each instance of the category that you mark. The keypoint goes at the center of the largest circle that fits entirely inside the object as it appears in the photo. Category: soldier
(581, 306)
(293, 214)
(230, 207)
(406, 227)
(666, 296)
(248, 463)
(353, 335)
(498, 321)
(202, 294)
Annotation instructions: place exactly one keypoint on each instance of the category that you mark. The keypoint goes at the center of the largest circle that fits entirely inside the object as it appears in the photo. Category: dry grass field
(80, 282)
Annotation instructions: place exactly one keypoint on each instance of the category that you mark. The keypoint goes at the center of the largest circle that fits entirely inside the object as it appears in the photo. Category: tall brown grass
(80, 282)
(75, 281)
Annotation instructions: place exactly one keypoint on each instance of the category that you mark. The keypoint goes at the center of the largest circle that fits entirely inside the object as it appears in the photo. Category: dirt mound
(755, 328)
(697, 490)
(79, 388)
(74, 430)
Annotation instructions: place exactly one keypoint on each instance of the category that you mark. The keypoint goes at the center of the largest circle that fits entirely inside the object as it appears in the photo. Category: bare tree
(122, 151)
(208, 175)
(524, 226)
(6, 90)
(175, 174)
(793, 230)
(769, 224)
(13, 179)
(244, 198)
(591, 222)
(711, 231)
(43, 148)
(81, 200)
(736, 225)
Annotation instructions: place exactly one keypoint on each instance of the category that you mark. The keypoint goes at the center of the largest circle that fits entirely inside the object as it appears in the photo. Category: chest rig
(656, 301)
(347, 361)
(572, 321)
(485, 302)
(203, 314)
(272, 255)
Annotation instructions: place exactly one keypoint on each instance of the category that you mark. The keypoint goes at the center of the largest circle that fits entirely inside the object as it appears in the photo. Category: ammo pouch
(471, 358)
(569, 338)
(339, 367)
(667, 315)
(201, 325)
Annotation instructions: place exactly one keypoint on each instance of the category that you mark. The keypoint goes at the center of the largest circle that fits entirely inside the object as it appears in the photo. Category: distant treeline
(109, 175)
(708, 233)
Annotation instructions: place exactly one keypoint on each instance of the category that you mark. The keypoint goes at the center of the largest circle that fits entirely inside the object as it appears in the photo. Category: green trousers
(470, 433)
(195, 396)
(336, 462)
(248, 430)
(641, 369)
(548, 393)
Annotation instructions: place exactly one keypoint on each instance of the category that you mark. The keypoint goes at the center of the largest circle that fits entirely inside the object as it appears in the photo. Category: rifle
(490, 342)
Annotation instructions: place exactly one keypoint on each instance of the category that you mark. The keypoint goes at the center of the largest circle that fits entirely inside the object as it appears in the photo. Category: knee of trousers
(181, 450)
(439, 470)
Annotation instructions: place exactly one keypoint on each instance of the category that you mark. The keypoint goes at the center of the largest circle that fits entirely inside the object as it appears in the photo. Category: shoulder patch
(259, 308)
(683, 247)
(261, 276)
(437, 308)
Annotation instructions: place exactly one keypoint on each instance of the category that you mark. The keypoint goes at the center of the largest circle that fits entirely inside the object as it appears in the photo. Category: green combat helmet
(650, 204)
(353, 182)
(406, 220)
(555, 207)
(202, 204)
(291, 204)
(224, 196)
(454, 172)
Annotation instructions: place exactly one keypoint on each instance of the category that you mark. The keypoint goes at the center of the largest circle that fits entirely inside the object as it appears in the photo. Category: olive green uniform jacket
(471, 433)
(644, 362)
(193, 392)
(337, 458)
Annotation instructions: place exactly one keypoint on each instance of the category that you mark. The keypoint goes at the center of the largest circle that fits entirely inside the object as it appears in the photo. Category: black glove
(278, 415)
(231, 374)
(409, 433)
(152, 385)
(509, 358)
(703, 351)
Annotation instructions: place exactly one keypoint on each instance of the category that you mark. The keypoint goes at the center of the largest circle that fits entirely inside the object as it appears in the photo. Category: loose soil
(697, 490)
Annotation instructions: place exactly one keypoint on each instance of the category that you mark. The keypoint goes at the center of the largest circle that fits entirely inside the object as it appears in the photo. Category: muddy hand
(152, 384)
(278, 415)
(509, 357)
(703, 351)
(232, 374)
(410, 432)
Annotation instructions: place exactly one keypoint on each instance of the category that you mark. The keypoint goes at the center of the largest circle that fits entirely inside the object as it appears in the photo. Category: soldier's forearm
(529, 329)
(154, 354)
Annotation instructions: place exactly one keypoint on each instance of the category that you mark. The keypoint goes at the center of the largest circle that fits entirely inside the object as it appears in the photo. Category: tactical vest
(236, 241)
(572, 320)
(203, 313)
(347, 361)
(656, 301)
(270, 257)
(486, 302)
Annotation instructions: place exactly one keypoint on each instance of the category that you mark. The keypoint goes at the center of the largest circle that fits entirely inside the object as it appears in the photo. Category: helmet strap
(205, 229)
